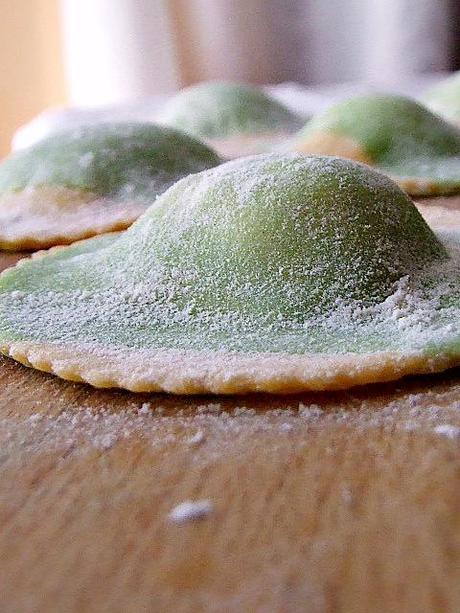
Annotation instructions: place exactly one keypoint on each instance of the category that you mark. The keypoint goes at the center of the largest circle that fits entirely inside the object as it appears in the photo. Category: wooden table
(327, 502)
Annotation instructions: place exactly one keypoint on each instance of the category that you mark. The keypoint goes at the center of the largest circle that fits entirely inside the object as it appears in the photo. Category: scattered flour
(106, 441)
(163, 426)
(286, 427)
(448, 430)
(310, 411)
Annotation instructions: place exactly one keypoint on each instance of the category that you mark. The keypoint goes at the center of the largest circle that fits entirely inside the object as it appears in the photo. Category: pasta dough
(419, 150)
(235, 119)
(275, 273)
(91, 180)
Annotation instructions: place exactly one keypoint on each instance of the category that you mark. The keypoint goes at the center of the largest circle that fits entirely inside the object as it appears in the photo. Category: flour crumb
(312, 411)
(448, 430)
(413, 400)
(145, 409)
(106, 441)
(213, 407)
(196, 439)
(244, 412)
(36, 417)
(346, 495)
(190, 511)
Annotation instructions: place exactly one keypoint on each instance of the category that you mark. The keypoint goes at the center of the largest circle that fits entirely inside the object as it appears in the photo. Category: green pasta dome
(132, 161)
(216, 110)
(400, 137)
(289, 234)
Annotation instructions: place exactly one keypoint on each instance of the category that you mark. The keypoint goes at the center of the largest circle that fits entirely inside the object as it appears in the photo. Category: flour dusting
(448, 430)
(208, 430)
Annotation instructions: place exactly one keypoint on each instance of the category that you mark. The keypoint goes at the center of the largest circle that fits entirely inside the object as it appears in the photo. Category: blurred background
(90, 53)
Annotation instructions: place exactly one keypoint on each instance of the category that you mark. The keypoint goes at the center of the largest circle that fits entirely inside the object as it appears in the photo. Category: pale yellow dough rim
(62, 206)
(194, 372)
(331, 143)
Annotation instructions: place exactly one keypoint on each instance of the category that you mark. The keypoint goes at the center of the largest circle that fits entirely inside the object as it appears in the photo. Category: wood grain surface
(321, 502)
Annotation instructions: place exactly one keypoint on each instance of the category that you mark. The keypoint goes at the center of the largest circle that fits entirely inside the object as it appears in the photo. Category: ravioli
(235, 119)
(275, 273)
(398, 136)
(91, 180)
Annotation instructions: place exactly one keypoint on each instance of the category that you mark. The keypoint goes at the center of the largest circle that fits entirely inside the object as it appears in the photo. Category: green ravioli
(90, 180)
(418, 149)
(275, 273)
(237, 119)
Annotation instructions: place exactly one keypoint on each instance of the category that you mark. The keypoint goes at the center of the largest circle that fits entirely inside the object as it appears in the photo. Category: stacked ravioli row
(303, 266)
